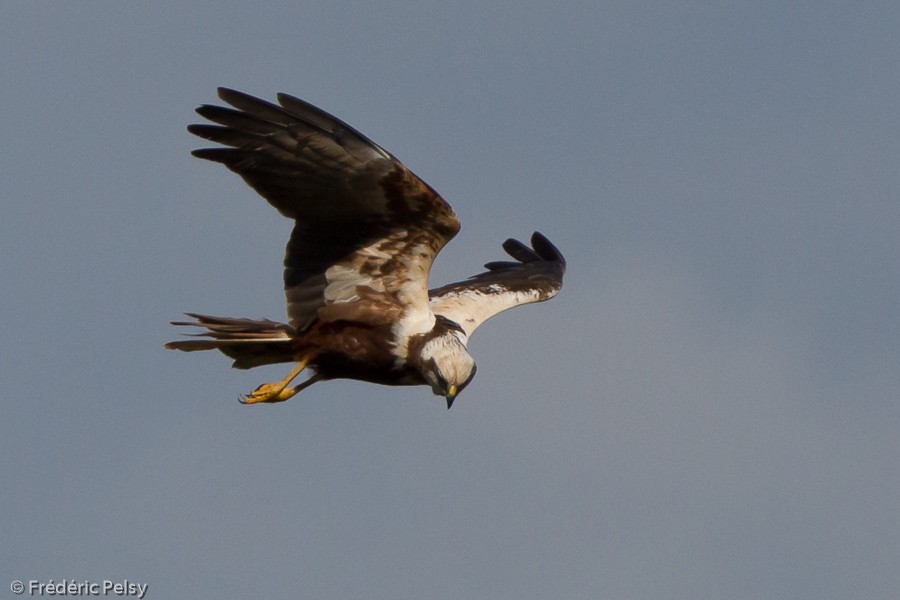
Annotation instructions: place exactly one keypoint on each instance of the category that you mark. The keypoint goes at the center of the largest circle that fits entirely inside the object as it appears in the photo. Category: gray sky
(708, 410)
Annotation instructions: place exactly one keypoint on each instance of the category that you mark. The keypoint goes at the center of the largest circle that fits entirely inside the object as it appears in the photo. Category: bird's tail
(249, 342)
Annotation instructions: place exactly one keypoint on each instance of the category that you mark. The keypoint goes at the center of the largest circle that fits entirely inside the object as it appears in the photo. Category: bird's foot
(268, 392)
(276, 392)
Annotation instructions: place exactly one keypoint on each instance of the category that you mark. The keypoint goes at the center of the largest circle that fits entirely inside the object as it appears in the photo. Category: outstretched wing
(535, 276)
(367, 229)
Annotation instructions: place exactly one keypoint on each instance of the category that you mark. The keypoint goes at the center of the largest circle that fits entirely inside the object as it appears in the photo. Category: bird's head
(446, 364)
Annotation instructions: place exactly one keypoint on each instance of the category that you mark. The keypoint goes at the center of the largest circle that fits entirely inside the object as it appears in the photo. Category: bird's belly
(360, 353)
(334, 365)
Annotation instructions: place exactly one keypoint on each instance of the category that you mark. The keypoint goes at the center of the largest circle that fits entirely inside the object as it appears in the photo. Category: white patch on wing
(342, 282)
(376, 269)
(472, 307)
(344, 278)
(414, 291)
(413, 295)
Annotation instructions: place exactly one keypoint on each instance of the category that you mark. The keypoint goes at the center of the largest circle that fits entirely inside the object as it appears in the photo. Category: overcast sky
(709, 409)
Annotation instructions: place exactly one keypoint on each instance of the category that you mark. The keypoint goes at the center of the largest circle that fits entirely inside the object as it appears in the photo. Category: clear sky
(709, 409)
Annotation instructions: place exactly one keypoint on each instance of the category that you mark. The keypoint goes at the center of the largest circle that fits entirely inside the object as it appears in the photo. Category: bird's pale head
(446, 364)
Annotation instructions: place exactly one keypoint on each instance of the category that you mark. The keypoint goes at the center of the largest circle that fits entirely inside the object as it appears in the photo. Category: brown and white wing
(367, 229)
(535, 275)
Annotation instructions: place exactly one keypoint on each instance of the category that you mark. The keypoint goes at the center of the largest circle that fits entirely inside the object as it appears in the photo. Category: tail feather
(249, 342)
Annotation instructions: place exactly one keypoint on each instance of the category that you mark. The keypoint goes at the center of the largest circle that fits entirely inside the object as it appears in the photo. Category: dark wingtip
(207, 132)
(541, 250)
(545, 248)
(207, 111)
(519, 251)
(228, 95)
(286, 100)
(213, 154)
(497, 265)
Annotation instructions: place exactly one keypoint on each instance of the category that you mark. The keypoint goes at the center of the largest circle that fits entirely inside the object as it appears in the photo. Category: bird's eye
(440, 379)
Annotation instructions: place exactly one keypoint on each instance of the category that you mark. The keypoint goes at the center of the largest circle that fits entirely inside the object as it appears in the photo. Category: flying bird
(356, 266)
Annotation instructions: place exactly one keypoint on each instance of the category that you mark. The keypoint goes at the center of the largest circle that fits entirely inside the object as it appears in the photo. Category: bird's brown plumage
(366, 233)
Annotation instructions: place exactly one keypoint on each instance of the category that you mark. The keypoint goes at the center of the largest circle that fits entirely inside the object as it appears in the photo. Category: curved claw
(276, 392)
(269, 392)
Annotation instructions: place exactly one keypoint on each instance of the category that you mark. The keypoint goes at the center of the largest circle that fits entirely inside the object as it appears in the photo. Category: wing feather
(535, 276)
(367, 229)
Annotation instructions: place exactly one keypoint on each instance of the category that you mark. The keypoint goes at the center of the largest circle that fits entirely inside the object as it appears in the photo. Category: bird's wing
(367, 229)
(535, 275)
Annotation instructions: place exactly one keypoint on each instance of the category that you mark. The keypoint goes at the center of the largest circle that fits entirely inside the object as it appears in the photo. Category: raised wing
(535, 276)
(367, 229)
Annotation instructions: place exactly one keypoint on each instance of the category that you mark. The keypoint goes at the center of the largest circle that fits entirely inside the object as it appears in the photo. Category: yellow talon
(277, 392)
(268, 392)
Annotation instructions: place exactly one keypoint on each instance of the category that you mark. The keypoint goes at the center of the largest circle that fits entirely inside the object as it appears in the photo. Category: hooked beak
(451, 396)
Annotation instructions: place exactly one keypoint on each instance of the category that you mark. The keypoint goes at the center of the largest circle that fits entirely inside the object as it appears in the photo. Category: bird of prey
(356, 268)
